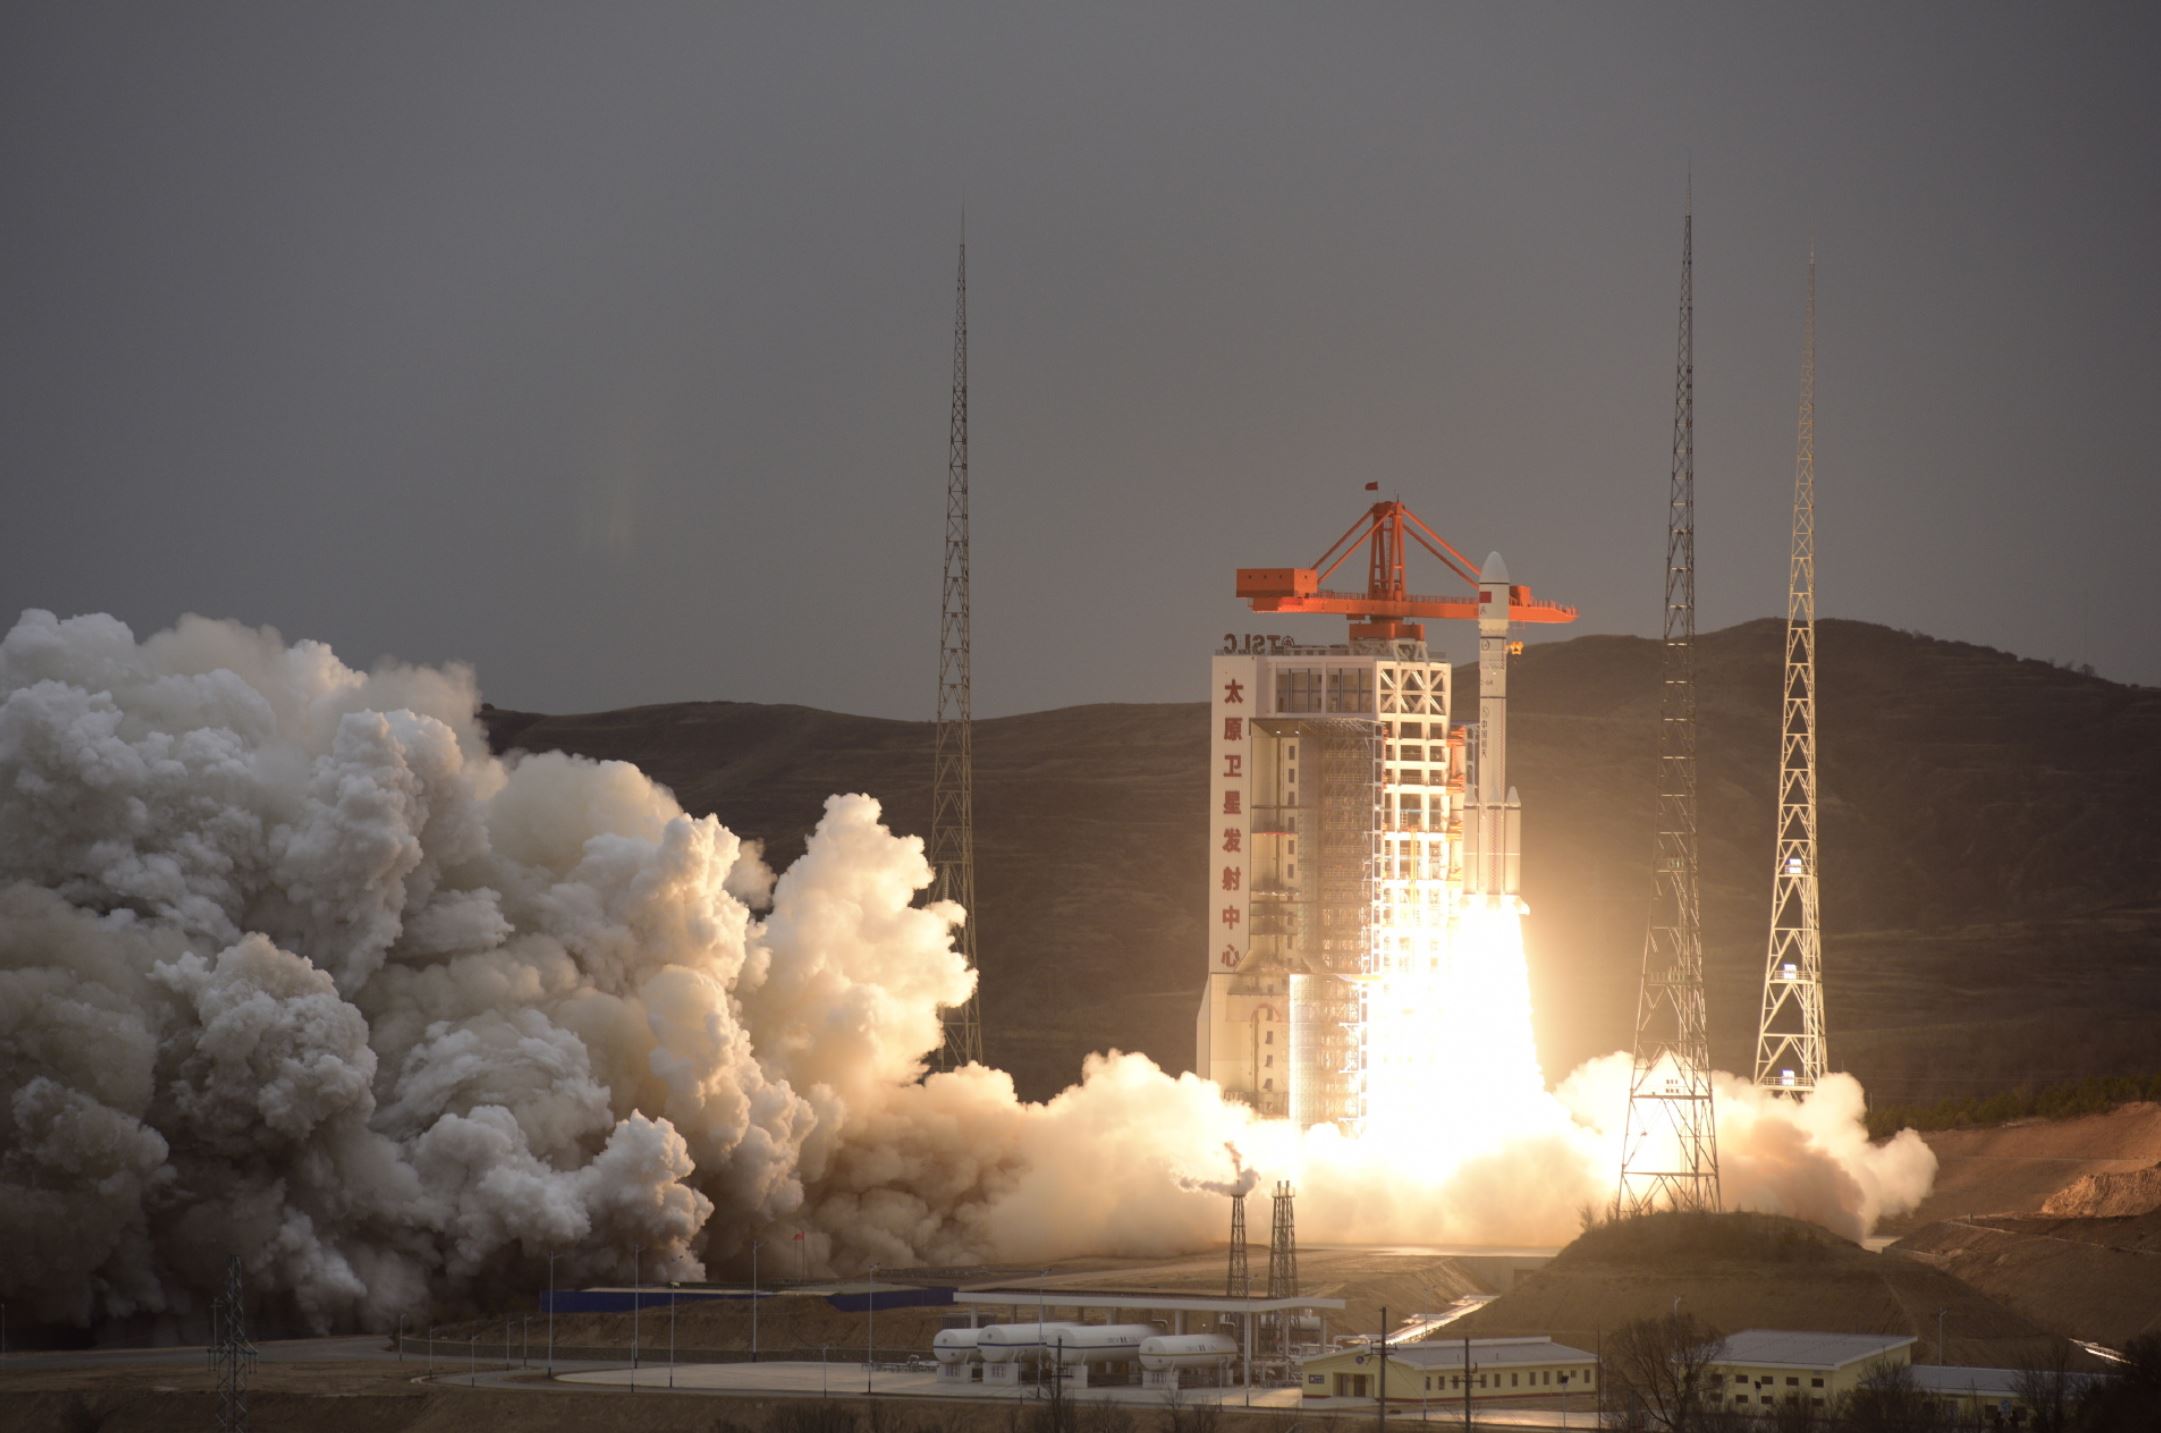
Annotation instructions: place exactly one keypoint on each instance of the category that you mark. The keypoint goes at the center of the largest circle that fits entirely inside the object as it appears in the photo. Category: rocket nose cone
(1495, 570)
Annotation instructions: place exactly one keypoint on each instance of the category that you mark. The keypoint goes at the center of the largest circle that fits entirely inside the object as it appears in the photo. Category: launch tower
(952, 801)
(1350, 825)
(1790, 1053)
(1669, 1150)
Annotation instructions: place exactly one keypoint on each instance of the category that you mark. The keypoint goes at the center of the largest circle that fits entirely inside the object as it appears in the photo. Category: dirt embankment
(2017, 1168)
(1743, 1271)
(2107, 1196)
(2095, 1279)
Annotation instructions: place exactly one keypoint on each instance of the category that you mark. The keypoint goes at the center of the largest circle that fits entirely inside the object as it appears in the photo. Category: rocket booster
(1493, 830)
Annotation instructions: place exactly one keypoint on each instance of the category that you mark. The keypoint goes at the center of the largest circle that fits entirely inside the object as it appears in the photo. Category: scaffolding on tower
(1669, 1139)
(952, 802)
(1791, 1057)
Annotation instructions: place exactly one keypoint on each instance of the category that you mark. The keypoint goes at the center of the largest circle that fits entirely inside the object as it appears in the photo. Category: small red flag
(1373, 487)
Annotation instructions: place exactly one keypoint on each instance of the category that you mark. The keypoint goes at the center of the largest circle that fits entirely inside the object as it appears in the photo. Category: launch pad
(1356, 833)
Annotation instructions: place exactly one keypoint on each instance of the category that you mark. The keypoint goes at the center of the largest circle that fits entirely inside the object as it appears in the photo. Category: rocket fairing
(1493, 828)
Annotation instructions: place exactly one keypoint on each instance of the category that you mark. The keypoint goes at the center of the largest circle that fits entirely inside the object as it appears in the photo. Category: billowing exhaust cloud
(292, 968)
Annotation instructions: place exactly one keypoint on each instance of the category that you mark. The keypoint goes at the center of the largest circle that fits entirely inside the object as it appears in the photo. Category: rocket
(1493, 830)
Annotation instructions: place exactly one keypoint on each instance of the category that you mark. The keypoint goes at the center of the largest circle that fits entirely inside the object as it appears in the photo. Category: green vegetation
(2093, 1096)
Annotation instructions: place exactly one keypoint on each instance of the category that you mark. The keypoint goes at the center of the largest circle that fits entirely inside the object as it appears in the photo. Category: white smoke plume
(292, 968)
(1238, 1186)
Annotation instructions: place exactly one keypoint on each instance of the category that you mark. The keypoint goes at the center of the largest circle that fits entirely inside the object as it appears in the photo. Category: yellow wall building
(1434, 1372)
(1760, 1370)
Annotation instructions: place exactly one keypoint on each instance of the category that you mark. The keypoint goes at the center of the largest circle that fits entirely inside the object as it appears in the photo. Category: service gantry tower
(952, 799)
(1669, 1149)
(1790, 1049)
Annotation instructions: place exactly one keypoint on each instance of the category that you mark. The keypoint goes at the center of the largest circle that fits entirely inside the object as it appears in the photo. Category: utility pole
(672, 1286)
(870, 1352)
(1381, 1403)
(1670, 1135)
(952, 800)
(637, 1283)
(753, 1301)
(1466, 1385)
(1790, 1039)
(551, 1313)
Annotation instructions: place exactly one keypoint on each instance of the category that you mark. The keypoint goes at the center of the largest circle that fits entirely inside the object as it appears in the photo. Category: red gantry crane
(1387, 609)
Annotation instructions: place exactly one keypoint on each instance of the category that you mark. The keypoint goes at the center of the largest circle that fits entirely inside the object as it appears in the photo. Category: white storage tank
(1187, 1350)
(1101, 1343)
(1002, 1343)
(957, 1346)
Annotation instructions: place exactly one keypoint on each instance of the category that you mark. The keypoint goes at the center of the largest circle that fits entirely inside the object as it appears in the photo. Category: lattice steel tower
(232, 1357)
(1790, 1047)
(1669, 1149)
(1238, 1277)
(952, 799)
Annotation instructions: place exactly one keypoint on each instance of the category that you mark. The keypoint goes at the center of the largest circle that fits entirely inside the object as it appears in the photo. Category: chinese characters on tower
(1229, 786)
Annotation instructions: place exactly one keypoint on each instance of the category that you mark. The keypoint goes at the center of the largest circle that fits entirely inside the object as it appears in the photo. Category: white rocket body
(1493, 830)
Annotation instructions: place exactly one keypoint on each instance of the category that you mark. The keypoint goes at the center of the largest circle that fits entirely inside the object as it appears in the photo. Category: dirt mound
(2106, 1196)
(1739, 1271)
(2096, 1279)
(2017, 1168)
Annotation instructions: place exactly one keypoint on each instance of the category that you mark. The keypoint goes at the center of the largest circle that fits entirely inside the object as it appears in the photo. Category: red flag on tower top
(1373, 487)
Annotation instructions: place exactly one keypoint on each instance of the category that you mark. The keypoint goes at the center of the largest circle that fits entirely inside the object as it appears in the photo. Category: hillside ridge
(1984, 817)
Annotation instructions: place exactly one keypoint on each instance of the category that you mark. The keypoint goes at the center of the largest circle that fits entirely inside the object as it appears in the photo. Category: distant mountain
(1991, 833)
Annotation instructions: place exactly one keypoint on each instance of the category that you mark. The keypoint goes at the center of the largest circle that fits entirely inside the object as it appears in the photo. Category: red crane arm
(1385, 604)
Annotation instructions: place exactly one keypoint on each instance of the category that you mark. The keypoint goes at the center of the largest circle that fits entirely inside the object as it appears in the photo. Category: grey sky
(605, 347)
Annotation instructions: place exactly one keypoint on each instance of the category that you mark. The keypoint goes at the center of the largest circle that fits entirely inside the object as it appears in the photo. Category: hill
(1992, 868)
(1740, 1271)
(2097, 1279)
(2027, 1167)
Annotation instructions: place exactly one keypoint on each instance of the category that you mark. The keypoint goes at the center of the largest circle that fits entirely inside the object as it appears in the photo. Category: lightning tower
(952, 801)
(231, 1356)
(1669, 1151)
(1790, 1053)
(1238, 1277)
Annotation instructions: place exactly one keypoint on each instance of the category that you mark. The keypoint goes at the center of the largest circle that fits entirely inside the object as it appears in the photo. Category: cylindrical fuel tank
(1002, 1343)
(1101, 1343)
(1187, 1350)
(956, 1346)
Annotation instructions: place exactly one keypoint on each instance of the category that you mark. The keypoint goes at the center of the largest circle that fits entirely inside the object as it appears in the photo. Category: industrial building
(1448, 1370)
(1351, 823)
(1761, 1370)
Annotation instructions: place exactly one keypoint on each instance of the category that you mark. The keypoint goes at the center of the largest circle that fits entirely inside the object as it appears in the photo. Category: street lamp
(753, 1301)
(551, 1313)
(673, 1285)
(637, 1284)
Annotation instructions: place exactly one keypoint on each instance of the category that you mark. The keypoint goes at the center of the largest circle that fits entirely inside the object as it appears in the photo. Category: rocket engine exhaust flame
(291, 966)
